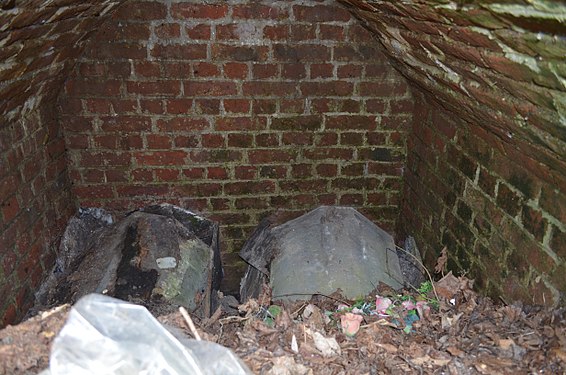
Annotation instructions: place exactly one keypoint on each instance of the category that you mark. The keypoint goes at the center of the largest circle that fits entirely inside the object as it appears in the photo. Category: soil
(464, 334)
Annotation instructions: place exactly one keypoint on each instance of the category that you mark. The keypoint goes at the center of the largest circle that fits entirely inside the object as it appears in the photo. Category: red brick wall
(486, 172)
(235, 109)
(37, 46)
(499, 212)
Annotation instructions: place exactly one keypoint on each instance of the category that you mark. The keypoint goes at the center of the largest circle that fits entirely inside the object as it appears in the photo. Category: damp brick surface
(235, 110)
(442, 120)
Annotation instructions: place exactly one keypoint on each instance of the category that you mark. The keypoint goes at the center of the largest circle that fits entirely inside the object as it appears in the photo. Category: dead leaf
(441, 261)
(388, 347)
(287, 366)
(454, 351)
(448, 286)
(505, 344)
(559, 354)
(448, 322)
(419, 361)
(328, 346)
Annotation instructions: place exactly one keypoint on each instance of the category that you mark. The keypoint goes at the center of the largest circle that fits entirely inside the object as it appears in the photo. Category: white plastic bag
(104, 335)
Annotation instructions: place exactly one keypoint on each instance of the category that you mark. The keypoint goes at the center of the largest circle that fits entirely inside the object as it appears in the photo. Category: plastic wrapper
(104, 335)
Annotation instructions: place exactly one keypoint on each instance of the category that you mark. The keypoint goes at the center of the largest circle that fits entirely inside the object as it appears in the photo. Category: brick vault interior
(444, 120)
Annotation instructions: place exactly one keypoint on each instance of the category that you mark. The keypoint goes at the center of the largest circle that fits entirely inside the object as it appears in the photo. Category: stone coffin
(159, 255)
(324, 250)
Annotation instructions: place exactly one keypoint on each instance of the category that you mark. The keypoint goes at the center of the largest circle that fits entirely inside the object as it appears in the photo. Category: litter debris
(328, 346)
(490, 338)
(104, 335)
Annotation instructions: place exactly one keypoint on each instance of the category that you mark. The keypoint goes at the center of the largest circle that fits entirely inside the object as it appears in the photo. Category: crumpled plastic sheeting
(104, 335)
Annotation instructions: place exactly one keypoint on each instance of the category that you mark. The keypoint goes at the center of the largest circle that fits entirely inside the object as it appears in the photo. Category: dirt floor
(454, 331)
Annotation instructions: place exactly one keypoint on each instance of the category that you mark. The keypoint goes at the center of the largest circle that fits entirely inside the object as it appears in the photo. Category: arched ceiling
(498, 63)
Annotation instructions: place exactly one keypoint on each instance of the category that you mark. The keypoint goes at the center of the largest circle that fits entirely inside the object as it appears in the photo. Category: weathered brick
(227, 32)
(239, 53)
(158, 88)
(302, 32)
(217, 173)
(198, 32)
(146, 190)
(261, 88)
(326, 170)
(167, 174)
(292, 106)
(10, 208)
(271, 156)
(553, 201)
(245, 172)
(276, 32)
(87, 88)
(156, 141)
(236, 70)
(237, 105)
(124, 31)
(259, 11)
(297, 138)
(508, 200)
(179, 124)
(558, 242)
(533, 221)
(332, 32)
(320, 13)
(321, 70)
(293, 71)
(178, 106)
(207, 106)
(273, 171)
(324, 105)
(194, 173)
(301, 52)
(314, 186)
(160, 158)
(328, 153)
(336, 88)
(179, 51)
(96, 191)
(305, 123)
(326, 139)
(213, 140)
(351, 122)
(382, 89)
(352, 200)
(186, 141)
(102, 106)
(142, 11)
(249, 188)
(240, 140)
(220, 88)
(216, 156)
(168, 30)
(240, 123)
(350, 71)
(205, 69)
(251, 203)
(202, 11)
(119, 50)
(267, 140)
(105, 141)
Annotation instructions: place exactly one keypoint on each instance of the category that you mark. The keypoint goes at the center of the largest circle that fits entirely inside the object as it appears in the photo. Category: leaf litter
(441, 328)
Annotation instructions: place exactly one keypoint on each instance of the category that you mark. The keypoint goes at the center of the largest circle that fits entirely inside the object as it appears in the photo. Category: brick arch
(39, 44)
